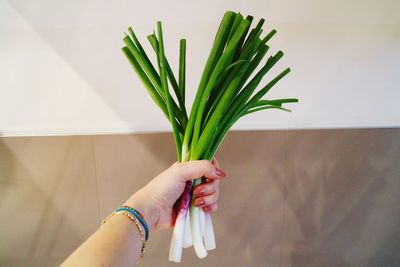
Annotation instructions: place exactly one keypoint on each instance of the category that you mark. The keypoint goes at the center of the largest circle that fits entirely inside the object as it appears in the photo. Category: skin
(118, 243)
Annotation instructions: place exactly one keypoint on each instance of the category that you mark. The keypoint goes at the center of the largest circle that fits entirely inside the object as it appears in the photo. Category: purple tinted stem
(185, 198)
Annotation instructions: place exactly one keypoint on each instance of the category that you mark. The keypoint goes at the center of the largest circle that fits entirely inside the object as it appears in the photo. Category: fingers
(205, 201)
(195, 169)
(206, 189)
(211, 208)
(206, 196)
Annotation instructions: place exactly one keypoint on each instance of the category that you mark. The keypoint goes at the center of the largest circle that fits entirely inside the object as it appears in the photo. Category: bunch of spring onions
(228, 90)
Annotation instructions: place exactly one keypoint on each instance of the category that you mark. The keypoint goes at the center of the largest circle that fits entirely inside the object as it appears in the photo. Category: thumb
(195, 169)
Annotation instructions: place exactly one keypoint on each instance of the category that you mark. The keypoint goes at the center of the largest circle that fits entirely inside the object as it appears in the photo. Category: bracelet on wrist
(139, 216)
(139, 221)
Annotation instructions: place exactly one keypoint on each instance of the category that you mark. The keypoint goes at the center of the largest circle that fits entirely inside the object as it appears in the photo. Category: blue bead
(136, 214)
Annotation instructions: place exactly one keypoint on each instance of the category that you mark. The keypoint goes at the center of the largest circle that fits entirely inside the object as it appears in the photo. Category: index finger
(195, 169)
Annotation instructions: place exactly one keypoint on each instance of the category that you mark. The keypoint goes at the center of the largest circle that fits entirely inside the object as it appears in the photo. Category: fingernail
(199, 192)
(220, 172)
(198, 202)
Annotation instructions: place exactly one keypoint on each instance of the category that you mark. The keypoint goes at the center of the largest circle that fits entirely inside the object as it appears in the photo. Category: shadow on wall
(6, 163)
(341, 188)
(249, 222)
(35, 179)
(323, 198)
(105, 80)
(292, 198)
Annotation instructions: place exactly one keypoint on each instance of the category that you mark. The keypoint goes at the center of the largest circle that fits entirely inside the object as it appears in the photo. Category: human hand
(156, 200)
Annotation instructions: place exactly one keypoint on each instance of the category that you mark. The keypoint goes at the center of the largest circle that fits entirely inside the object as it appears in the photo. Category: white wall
(62, 72)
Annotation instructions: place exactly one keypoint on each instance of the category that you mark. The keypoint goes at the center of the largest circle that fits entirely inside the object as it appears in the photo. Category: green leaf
(182, 68)
(182, 109)
(148, 85)
(164, 82)
(249, 111)
(269, 36)
(216, 51)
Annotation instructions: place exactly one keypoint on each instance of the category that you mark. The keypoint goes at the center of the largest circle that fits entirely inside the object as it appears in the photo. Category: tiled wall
(292, 198)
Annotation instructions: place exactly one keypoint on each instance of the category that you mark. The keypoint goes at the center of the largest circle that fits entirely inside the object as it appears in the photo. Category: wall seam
(96, 177)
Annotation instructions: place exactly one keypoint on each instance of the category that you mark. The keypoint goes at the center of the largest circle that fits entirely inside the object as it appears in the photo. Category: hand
(156, 200)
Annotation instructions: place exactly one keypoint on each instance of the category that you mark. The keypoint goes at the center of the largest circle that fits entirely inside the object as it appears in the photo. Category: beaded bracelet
(139, 216)
(138, 225)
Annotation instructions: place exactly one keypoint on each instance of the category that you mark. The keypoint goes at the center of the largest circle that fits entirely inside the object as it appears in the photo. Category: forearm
(118, 241)
(115, 243)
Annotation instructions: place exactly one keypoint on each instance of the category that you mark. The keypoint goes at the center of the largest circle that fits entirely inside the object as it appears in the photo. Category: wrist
(146, 210)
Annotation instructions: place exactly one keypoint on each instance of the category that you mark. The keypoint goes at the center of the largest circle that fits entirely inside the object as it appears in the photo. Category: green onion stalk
(229, 89)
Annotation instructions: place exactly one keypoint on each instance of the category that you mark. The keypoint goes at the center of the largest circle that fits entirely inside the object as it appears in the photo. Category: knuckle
(207, 200)
(206, 163)
(215, 207)
(176, 165)
(176, 168)
(208, 188)
(211, 188)
(211, 199)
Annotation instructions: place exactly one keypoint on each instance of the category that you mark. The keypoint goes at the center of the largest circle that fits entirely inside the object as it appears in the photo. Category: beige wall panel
(125, 163)
(250, 220)
(48, 198)
(291, 198)
(343, 198)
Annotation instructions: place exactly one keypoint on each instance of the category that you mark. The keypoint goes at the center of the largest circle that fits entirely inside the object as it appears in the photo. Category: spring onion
(228, 90)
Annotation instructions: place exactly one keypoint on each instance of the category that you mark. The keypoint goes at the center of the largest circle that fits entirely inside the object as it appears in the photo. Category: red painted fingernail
(220, 172)
(198, 202)
(199, 192)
